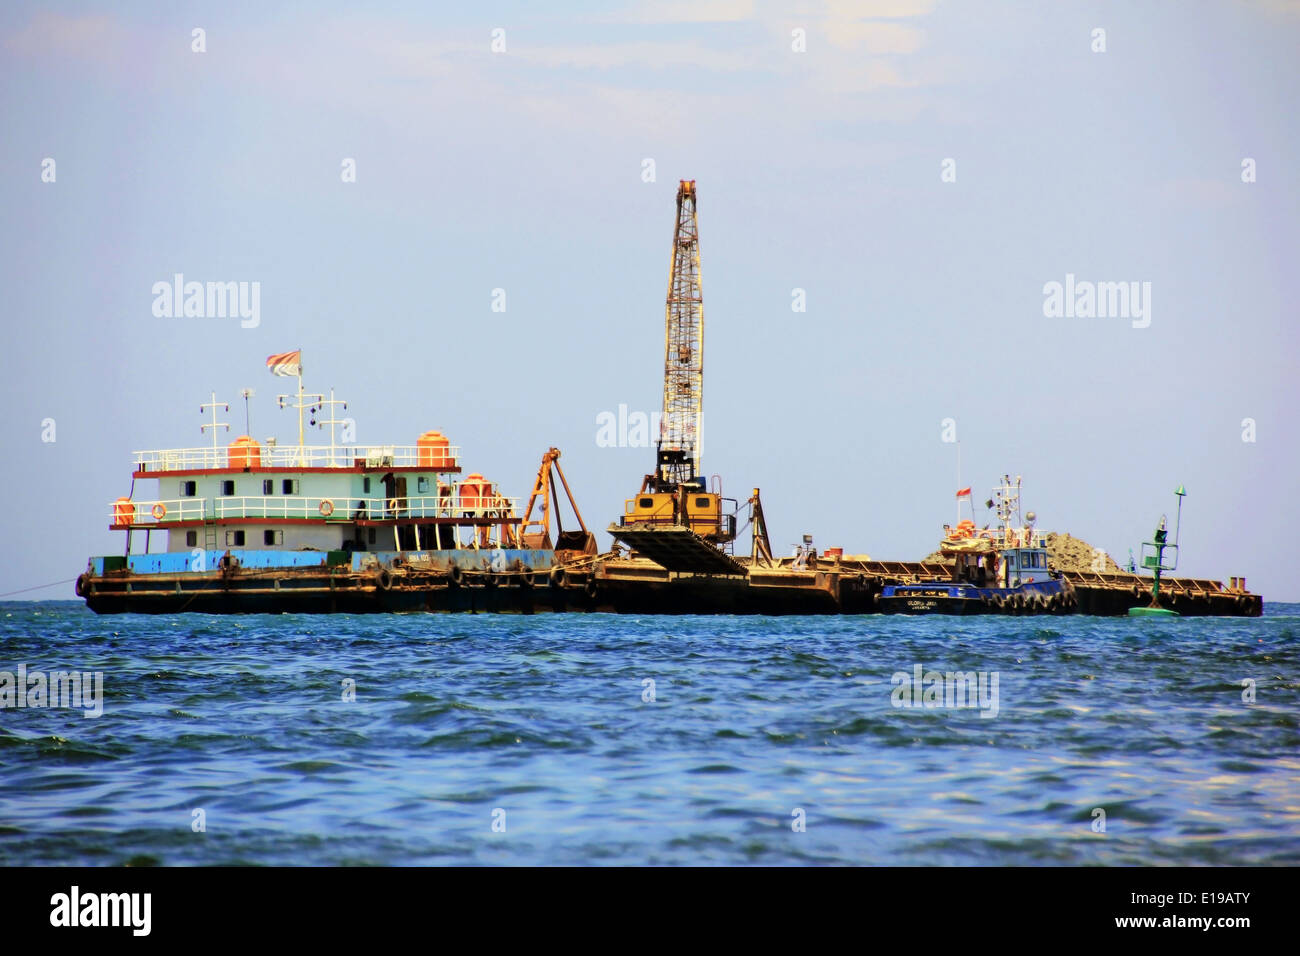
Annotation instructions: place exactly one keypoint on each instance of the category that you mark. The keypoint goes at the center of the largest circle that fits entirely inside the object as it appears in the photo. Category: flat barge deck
(614, 583)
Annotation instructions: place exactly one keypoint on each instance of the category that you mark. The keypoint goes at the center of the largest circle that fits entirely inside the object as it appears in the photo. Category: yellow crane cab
(689, 506)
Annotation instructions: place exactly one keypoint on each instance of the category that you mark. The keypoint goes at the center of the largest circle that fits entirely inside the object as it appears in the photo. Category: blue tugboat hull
(1043, 597)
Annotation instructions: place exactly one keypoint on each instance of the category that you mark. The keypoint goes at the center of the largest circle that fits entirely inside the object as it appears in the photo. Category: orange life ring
(159, 511)
(392, 504)
(326, 507)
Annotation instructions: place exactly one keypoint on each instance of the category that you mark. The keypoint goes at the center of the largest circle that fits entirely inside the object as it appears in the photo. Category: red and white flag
(964, 493)
(286, 363)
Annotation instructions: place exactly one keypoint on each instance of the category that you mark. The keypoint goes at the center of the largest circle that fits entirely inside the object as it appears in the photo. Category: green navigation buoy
(1152, 612)
(1155, 560)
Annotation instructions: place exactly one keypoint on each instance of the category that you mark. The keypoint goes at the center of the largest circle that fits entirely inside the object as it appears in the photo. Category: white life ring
(326, 507)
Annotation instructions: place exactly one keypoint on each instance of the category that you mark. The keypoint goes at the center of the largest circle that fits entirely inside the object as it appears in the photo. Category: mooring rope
(38, 587)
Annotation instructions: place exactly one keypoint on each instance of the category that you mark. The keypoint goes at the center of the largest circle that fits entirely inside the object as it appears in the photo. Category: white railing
(441, 506)
(293, 456)
(279, 506)
(1001, 538)
(152, 513)
(366, 509)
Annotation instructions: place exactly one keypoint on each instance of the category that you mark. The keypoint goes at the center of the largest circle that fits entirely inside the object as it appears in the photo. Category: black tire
(491, 580)
(526, 579)
(591, 588)
(80, 587)
(454, 574)
(384, 579)
(556, 577)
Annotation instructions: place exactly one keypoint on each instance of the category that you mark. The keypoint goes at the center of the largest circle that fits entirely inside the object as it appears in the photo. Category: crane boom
(681, 428)
(675, 503)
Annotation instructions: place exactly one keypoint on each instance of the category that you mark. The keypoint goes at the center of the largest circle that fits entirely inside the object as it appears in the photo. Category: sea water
(602, 739)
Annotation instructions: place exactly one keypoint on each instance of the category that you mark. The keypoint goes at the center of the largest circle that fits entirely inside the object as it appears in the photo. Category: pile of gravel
(1064, 553)
(1067, 553)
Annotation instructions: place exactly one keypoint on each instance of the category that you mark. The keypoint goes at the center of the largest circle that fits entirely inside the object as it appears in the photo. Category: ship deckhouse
(252, 495)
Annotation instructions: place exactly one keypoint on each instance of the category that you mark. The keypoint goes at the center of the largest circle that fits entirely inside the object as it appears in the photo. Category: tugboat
(1002, 570)
(273, 527)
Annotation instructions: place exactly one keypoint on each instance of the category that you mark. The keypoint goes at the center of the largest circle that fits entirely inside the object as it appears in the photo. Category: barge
(268, 527)
(265, 527)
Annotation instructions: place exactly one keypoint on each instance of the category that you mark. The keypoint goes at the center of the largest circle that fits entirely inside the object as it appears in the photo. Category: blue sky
(817, 170)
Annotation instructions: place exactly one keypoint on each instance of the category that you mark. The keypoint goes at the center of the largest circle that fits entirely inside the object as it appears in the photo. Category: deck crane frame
(545, 488)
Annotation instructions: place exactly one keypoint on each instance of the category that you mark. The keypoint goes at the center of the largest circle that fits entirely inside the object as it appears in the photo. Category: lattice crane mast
(677, 495)
(678, 458)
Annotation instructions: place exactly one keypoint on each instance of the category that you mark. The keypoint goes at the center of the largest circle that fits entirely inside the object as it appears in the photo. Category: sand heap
(1065, 553)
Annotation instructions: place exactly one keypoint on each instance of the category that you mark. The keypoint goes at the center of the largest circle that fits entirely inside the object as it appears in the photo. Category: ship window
(268, 486)
(289, 486)
(422, 484)
(365, 485)
(701, 502)
(191, 538)
(189, 488)
(235, 539)
(228, 487)
(270, 536)
(645, 503)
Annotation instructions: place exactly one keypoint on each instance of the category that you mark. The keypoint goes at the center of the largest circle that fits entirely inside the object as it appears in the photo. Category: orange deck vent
(433, 450)
(123, 513)
(475, 492)
(244, 452)
(834, 553)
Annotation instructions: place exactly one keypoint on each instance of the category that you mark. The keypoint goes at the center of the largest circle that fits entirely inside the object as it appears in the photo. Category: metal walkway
(676, 548)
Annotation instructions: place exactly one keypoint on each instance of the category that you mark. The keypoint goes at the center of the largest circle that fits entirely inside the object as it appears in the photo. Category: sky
(913, 173)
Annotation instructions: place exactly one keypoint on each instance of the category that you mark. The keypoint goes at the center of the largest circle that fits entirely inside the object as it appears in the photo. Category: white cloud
(689, 11)
(873, 37)
(647, 54)
(892, 9)
(96, 38)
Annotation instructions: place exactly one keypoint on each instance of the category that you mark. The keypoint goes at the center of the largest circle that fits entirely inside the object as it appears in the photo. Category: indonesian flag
(286, 363)
(964, 493)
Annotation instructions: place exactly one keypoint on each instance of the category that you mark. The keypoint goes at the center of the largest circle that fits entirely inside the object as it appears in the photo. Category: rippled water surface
(753, 720)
